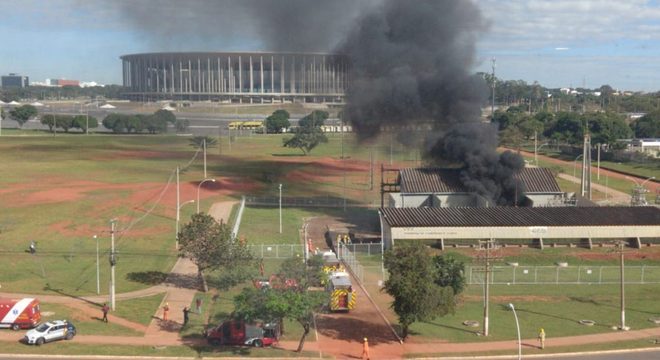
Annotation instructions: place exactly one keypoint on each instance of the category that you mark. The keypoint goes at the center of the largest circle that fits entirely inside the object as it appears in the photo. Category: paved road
(615, 355)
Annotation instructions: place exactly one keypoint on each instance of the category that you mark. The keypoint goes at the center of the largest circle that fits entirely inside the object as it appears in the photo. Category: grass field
(62, 190)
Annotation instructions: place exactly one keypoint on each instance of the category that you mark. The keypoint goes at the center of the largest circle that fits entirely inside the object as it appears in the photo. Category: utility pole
(176, 235)
(620, 249)
(536, 158)
(113, 262)
(487, 259)
(280, 188)
(492, 106)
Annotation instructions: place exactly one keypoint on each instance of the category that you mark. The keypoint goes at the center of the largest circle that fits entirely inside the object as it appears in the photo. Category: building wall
(15, 81)
(235, 76)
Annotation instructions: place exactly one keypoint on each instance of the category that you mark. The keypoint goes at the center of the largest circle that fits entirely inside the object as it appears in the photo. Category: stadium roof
(438, 180)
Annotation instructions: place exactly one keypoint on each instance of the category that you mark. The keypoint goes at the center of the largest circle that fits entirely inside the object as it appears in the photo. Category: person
(185, 315)
(198, 304)
(33, 247)
(365, 349)
(166, 309)
(105, 310)
(542, 338)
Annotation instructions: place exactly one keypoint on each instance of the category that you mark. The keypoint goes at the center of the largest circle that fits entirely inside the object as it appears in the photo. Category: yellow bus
(246, 125)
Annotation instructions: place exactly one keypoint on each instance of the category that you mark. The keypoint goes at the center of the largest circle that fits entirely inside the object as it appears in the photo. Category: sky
(558, 43)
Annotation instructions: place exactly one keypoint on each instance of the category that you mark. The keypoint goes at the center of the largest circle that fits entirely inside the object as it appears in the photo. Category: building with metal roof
(534, 224)
(442, 187)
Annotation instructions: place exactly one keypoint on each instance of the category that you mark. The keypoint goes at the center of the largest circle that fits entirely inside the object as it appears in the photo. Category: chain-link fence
(365, 262)
(564, 275)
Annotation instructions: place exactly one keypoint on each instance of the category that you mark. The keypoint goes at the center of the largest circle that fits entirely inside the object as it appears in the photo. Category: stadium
(256, 77)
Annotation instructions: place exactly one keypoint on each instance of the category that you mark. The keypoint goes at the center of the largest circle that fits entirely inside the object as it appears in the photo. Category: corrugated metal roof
(438, 180)
(538, 180)
(521, 216)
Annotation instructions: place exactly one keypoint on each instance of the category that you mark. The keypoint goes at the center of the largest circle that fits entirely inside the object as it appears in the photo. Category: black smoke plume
(412, 68)
(237, 25)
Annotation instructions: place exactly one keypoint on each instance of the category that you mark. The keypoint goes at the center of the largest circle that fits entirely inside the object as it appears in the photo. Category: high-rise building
(15, 80)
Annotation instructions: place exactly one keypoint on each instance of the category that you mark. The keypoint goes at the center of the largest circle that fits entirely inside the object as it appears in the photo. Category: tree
(308, 134)
(270, 304)
(315, 119)
(412, 284)
(449, 272)
(181, 125)
(211, 246)
(23, 113)
(607, 128)
(568, 127)
(48, 120)
(165, 116)
(64, 121)
(82, 121)
(115, 122)
(648, 126)
(277, 122)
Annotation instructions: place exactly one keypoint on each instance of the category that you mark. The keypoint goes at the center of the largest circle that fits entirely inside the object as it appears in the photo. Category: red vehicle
(235, 332)
(19, 313)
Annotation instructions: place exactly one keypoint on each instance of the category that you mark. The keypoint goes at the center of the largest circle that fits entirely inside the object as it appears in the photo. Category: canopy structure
(108, 106)
(36, 103)
(14, 103)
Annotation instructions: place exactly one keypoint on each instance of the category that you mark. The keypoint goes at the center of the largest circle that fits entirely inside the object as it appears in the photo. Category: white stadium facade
(253, 77)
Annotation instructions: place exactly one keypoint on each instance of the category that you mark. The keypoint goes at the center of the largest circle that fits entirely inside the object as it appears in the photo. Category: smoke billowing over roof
(412, 64)
(412, 67)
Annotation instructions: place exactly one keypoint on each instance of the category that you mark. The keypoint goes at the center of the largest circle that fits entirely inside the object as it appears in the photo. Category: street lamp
(575, 163)
(178, 211)
(198, 188)
(536, 151)
(98, 283)
(518, 328)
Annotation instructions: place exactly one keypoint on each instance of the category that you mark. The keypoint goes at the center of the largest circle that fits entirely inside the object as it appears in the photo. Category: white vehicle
(50, 331)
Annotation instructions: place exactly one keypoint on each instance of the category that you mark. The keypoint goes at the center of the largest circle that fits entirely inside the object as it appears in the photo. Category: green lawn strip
(260, 225)
(622, 185)
(140, 310)
(556, 308)
(647, 169)
(73, 348)
(84, 323)
(646, 343)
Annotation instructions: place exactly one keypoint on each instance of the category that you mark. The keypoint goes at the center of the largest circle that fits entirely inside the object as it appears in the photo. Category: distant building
(64, 82)
(15, 81)
(648, 146)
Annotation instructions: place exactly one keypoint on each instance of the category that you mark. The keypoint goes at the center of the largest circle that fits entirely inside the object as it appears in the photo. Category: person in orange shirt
(166, 309)
(365, 349)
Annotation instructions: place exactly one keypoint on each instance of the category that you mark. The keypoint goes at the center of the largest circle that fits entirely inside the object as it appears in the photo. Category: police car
(50, 331)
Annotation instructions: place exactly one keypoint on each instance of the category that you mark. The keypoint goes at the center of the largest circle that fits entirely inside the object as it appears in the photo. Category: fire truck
(340, 289)
(19, 313)
(236, 332)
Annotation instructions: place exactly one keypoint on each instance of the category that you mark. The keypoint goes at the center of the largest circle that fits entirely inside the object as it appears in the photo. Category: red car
(235, 332)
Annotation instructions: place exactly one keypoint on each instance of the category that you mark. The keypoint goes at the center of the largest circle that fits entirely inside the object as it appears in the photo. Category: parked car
(50, 331)
(235, 332)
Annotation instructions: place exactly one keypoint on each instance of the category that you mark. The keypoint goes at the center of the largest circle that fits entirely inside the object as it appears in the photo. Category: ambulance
(19, 313)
